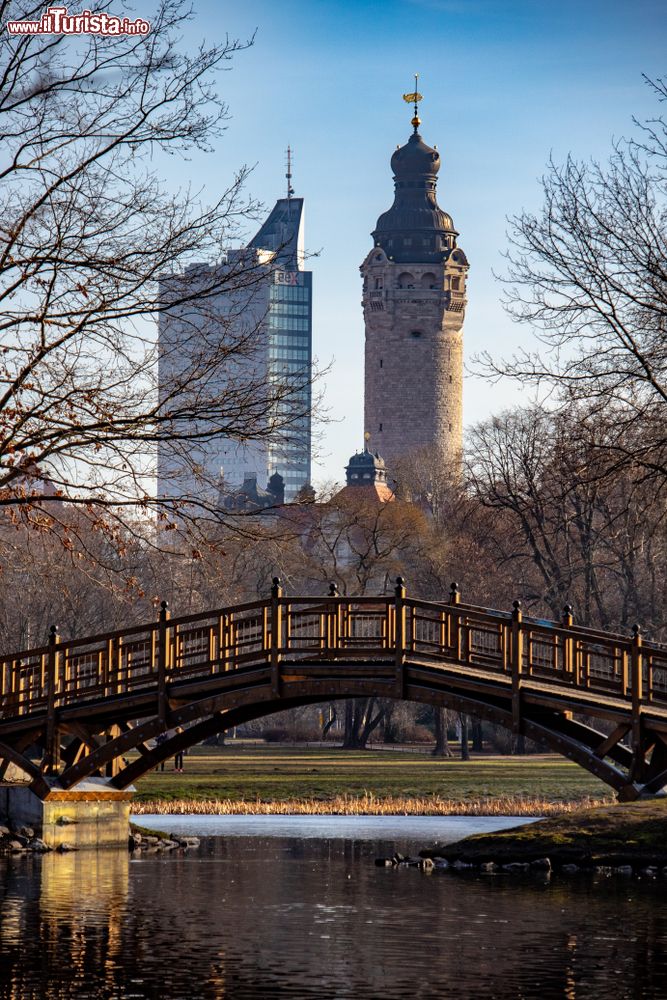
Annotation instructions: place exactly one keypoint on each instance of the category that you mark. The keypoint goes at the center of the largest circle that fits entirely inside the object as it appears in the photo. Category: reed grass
(370, 805)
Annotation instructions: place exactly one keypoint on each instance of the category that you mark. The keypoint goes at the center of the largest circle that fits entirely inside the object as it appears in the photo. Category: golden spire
(414, 98)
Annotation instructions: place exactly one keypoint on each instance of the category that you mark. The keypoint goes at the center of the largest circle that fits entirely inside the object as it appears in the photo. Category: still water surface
(295, 908)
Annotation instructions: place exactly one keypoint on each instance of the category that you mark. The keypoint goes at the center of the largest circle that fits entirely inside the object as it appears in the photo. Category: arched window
(428, 280)
(406, 280)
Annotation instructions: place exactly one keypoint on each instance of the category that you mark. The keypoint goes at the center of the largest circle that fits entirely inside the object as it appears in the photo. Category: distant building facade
(249, 497)
(366, 479)
(273, 311)
(414, 299)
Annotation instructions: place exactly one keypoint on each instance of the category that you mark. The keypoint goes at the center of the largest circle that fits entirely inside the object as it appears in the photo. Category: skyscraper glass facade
(289, 327)
(274, 309)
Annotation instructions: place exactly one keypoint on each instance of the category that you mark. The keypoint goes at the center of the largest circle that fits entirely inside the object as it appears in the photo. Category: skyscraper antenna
(414, 98)
(288, 175)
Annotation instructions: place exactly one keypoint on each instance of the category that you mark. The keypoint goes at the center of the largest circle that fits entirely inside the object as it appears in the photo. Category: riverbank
(279, 780)
(624, 835)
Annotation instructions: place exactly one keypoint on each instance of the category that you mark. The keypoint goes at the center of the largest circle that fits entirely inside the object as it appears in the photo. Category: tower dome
(415, 161)
(415, 229)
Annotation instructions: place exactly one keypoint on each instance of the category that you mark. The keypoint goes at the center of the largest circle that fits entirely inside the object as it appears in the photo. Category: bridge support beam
(93, 815)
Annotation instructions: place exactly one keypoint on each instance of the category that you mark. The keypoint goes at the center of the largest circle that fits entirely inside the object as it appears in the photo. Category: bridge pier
(92, 815)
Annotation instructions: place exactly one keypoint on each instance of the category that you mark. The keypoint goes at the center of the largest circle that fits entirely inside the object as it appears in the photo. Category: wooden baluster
(625, 672)
(442, 638)
(637, 686)
(230, 642)
(568, 644)
(517, 665)
(43, 676)
(222, 629)
(52, 740)
(454, 638)
(102, 673)
(399, 605)
(162, 658)
(276, 634)
(23, 695)
(122, 673)
(213, 648)
(636, 669)
(333, 619)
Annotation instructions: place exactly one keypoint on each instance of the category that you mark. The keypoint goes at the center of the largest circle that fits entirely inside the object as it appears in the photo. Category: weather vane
(414, 99)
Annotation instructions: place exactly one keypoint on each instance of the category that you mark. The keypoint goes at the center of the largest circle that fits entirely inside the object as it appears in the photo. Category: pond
(294, 907)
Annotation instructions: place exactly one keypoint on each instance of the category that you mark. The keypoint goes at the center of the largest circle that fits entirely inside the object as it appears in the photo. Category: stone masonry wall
(414, 357)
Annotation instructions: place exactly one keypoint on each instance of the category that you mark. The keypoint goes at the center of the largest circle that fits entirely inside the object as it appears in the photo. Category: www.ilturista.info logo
(57, 21)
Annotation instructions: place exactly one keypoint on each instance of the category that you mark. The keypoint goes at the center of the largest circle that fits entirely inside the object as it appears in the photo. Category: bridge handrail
(218, 612)
(553, 627)
(483, 615)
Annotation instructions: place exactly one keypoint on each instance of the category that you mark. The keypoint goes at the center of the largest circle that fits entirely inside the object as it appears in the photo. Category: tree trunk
(465, 750)
(477, 737)
(360, 722)
(441, 748)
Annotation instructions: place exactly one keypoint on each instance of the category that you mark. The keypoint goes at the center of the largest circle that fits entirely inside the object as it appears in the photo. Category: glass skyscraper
(277, 309)
(289, 328)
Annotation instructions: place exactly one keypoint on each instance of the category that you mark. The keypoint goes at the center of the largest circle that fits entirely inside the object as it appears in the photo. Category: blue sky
(505, 85)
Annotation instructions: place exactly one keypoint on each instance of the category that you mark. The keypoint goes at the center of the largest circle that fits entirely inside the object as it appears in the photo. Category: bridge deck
(330, 647)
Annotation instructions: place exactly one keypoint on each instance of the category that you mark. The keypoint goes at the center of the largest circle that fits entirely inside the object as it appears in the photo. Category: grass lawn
(278, 773)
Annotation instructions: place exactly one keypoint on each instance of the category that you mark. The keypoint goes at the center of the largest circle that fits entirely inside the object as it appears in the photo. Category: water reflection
(260, 918)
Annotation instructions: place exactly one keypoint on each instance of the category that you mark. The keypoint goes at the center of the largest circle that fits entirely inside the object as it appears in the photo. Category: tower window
(380, 362)
(456, 284)
(416, 333)
(380, 426)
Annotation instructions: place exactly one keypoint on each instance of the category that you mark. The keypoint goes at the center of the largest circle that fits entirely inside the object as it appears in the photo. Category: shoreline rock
(21, 840)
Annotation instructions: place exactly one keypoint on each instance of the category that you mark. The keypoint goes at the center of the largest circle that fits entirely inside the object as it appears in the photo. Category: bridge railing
(260, 634)
(560, 653)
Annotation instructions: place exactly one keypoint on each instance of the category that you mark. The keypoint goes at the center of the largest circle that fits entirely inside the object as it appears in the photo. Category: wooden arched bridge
(86, 703)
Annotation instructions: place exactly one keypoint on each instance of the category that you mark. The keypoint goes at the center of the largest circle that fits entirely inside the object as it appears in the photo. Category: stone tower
(414, 298)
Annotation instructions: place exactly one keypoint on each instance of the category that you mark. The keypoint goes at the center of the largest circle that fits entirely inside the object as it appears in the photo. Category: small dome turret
(365, 469)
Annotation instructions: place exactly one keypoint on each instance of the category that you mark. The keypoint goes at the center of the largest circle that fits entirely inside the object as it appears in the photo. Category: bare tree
(87, 230)
(570, 533)
(589, 273)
